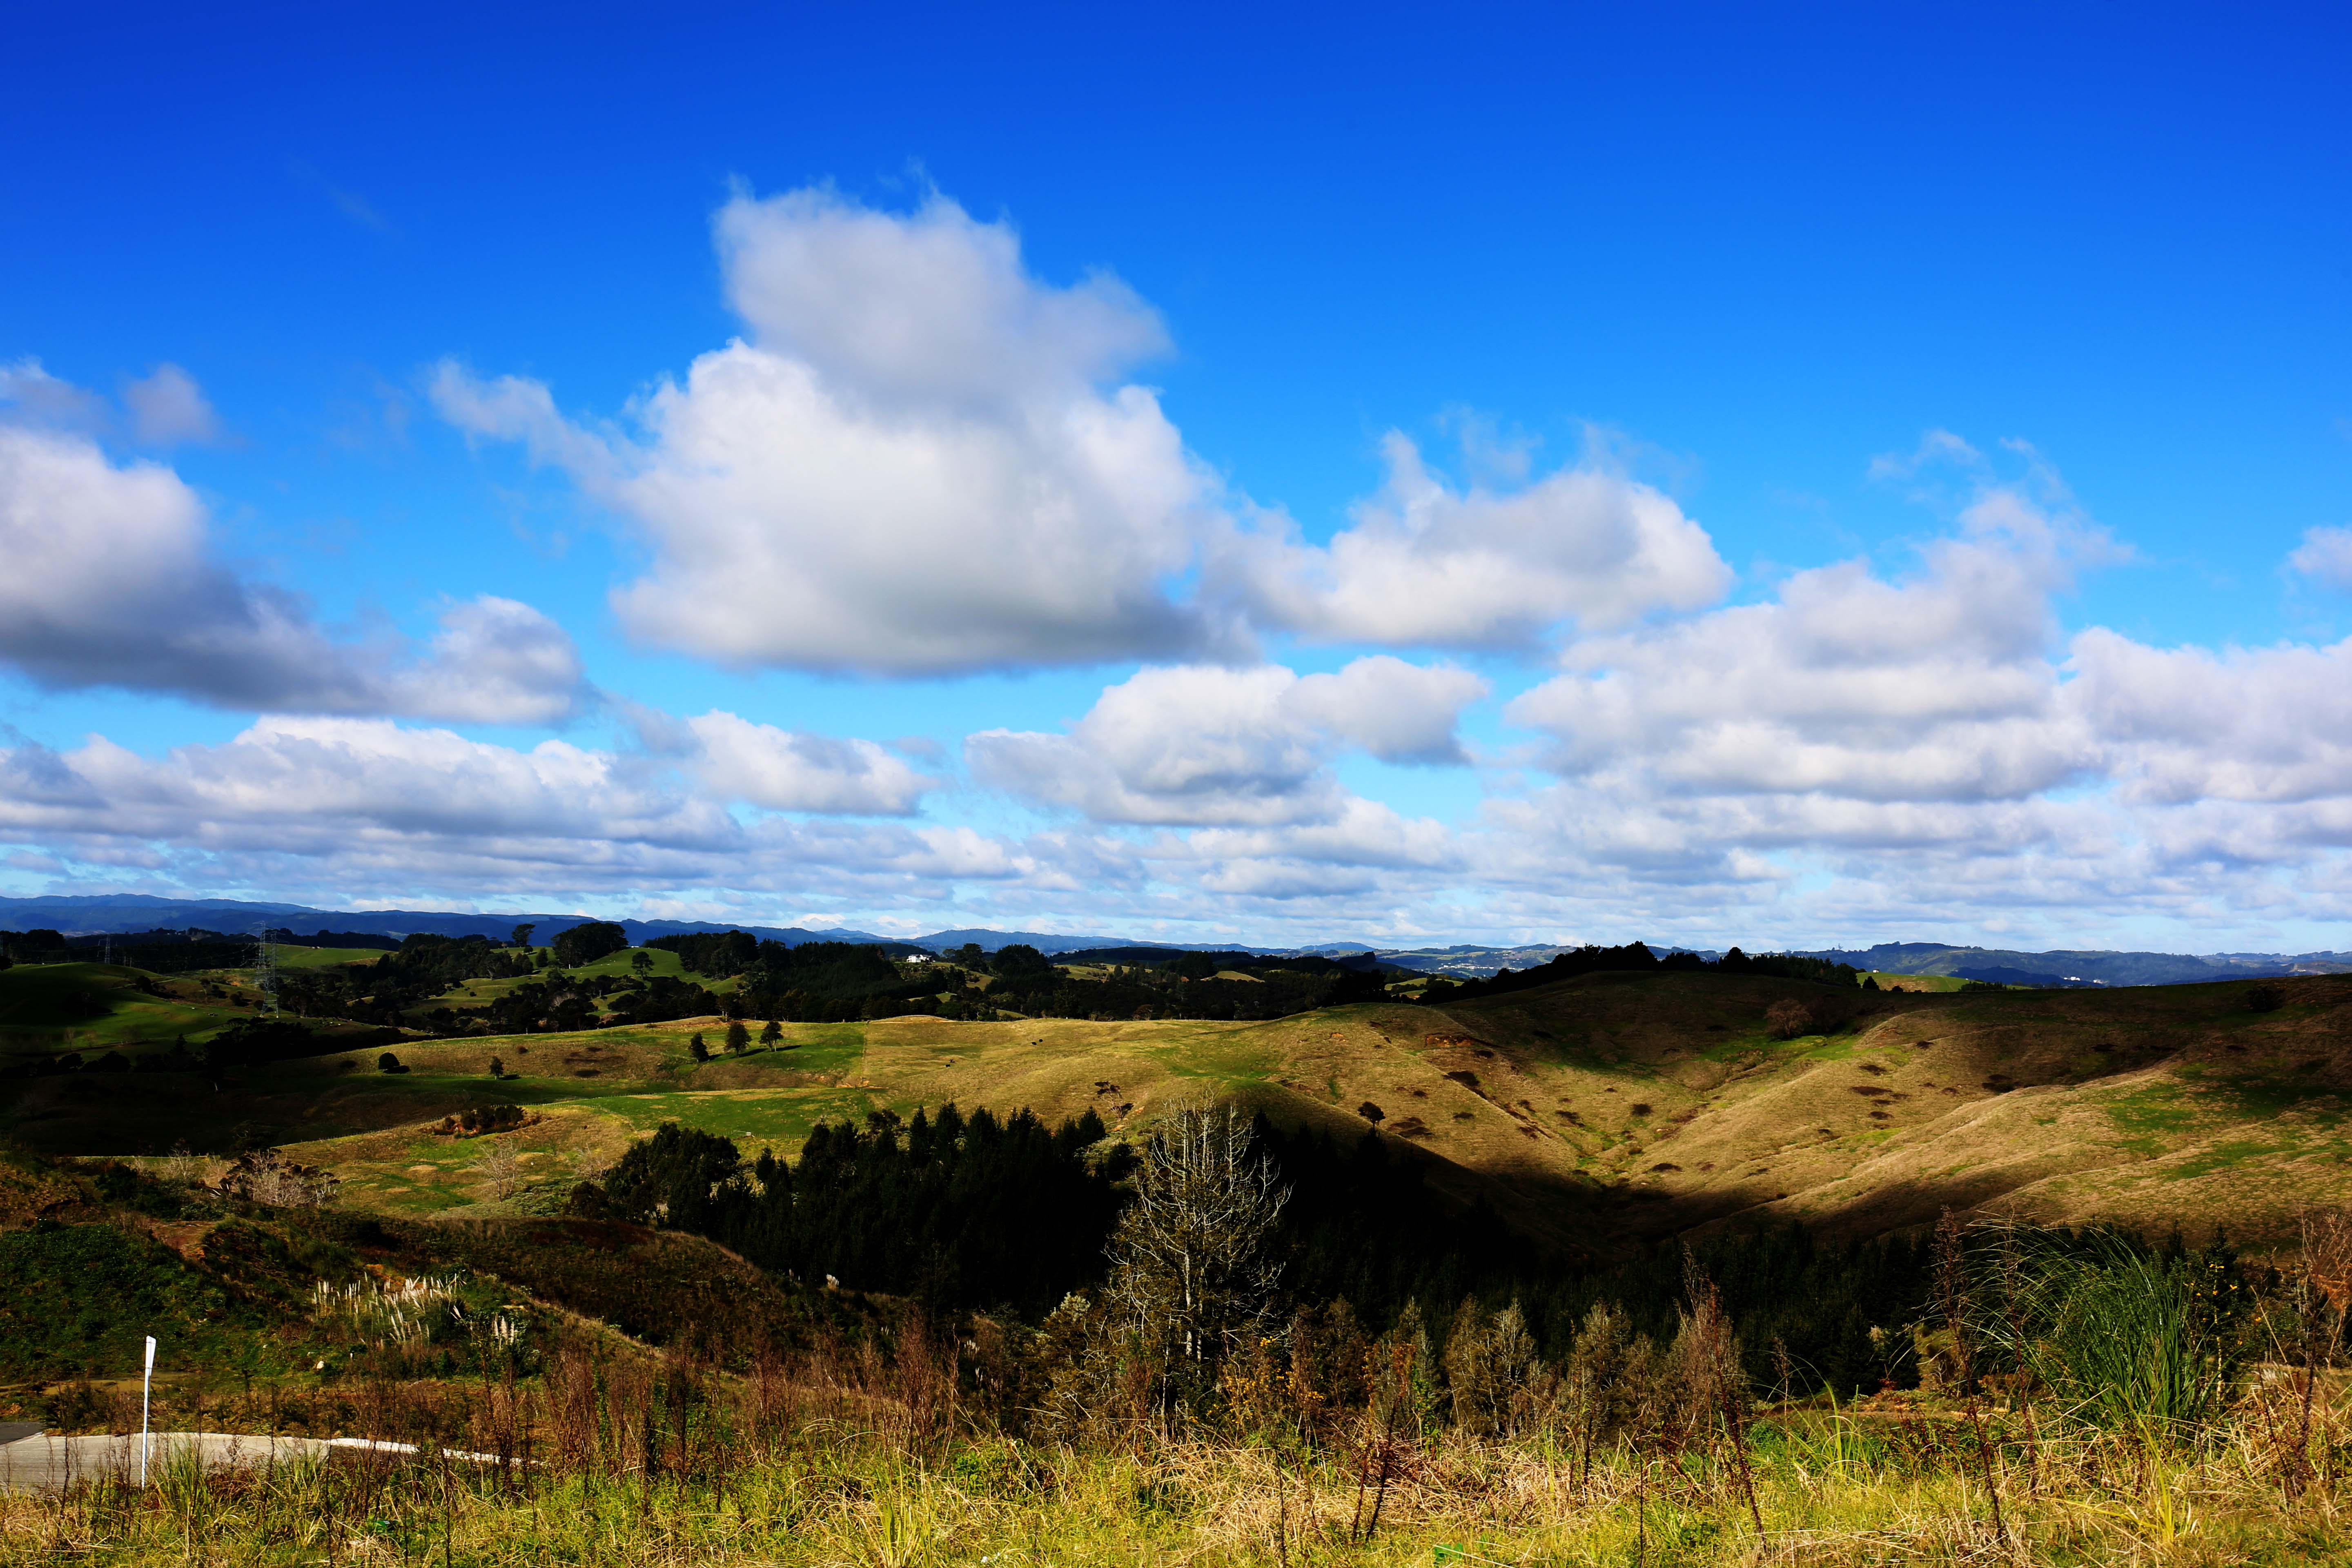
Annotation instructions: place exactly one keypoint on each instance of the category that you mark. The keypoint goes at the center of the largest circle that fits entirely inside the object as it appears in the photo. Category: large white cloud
(2268, 725)
(1425, 565)
(110, 580)
(1205, 744)
(929, 309)
(784, 770)
(1932, 753)
(373, 803)
(1942, 686)
(920, 460)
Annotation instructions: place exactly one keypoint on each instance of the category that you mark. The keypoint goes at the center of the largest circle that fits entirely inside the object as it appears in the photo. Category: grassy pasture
(1634, 1104)
(1930, 983)
(1612, 1105)
(47, 1008)
(292, 957)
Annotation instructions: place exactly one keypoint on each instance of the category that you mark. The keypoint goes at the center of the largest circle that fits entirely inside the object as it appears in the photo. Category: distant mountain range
(96, 915)
(134, 912)
(2082, 968)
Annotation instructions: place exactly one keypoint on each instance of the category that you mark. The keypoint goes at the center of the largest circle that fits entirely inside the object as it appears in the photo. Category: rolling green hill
(1597, 1111)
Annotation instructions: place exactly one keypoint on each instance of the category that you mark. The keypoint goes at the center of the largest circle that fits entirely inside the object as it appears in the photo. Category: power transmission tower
(264, 968)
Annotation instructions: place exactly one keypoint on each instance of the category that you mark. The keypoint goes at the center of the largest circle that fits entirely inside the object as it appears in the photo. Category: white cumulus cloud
(1943, 686)
(1422, 564)
(111, 581)
(344, 804)
(785, 769)
(919, 461)
(1208, 744)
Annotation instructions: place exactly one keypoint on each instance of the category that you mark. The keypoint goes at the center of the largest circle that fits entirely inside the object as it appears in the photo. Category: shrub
(2264, 998)
(487, 1119)
(1788, 1019)
(2128, 1340)
(266, 1177)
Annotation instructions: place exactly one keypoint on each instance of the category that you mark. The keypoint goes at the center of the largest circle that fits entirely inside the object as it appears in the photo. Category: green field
(1888, 981)
(47, 1008)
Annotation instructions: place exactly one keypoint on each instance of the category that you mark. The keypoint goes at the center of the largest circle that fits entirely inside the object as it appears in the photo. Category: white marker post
(146, 1387)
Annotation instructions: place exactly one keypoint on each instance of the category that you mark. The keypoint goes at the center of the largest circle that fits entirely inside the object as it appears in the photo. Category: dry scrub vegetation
(2083, 1399)
(849, 1456)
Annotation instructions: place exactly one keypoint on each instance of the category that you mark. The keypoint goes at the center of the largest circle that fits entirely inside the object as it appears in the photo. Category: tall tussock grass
(2085, 1400)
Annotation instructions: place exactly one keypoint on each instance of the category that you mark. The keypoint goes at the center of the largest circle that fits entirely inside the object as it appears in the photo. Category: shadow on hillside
(151, 1113)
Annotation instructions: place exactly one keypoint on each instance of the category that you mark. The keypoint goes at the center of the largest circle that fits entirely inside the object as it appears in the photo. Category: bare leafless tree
(1191, 1271)
(500, 1165)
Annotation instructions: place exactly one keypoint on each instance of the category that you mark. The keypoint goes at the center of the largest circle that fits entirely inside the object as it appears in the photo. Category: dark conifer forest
(966, 1213)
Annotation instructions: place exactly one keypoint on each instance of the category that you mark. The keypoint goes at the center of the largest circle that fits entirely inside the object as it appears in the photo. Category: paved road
(42, 1461)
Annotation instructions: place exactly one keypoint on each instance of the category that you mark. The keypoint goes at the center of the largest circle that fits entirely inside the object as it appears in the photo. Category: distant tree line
(831, 982)
(812, 983)
(167, 952)
(1636, 958)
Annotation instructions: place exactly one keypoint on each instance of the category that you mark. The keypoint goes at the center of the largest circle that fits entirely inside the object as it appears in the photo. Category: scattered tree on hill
(1017, 960)
(773, 1032)
(389, 1063)
(587, 943)
(497, 1068)
(697, 1049)
(522, 937)
(642, 962)
(738, 1039)
(1788, 1018)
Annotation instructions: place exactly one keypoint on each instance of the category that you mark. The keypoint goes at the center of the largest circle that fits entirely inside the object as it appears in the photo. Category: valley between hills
(1593, 1115)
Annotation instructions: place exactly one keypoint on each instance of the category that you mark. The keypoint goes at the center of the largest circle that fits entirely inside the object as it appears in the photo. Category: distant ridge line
(103, 913)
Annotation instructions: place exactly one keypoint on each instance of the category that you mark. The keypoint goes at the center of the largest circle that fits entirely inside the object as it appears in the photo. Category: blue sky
(1881, 474)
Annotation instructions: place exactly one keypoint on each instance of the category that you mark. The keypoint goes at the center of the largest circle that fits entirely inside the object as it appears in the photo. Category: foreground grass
(832, 1493)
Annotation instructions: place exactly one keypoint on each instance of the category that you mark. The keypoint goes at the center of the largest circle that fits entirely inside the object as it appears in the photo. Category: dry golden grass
(838, 1490)
(1610, 1104)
